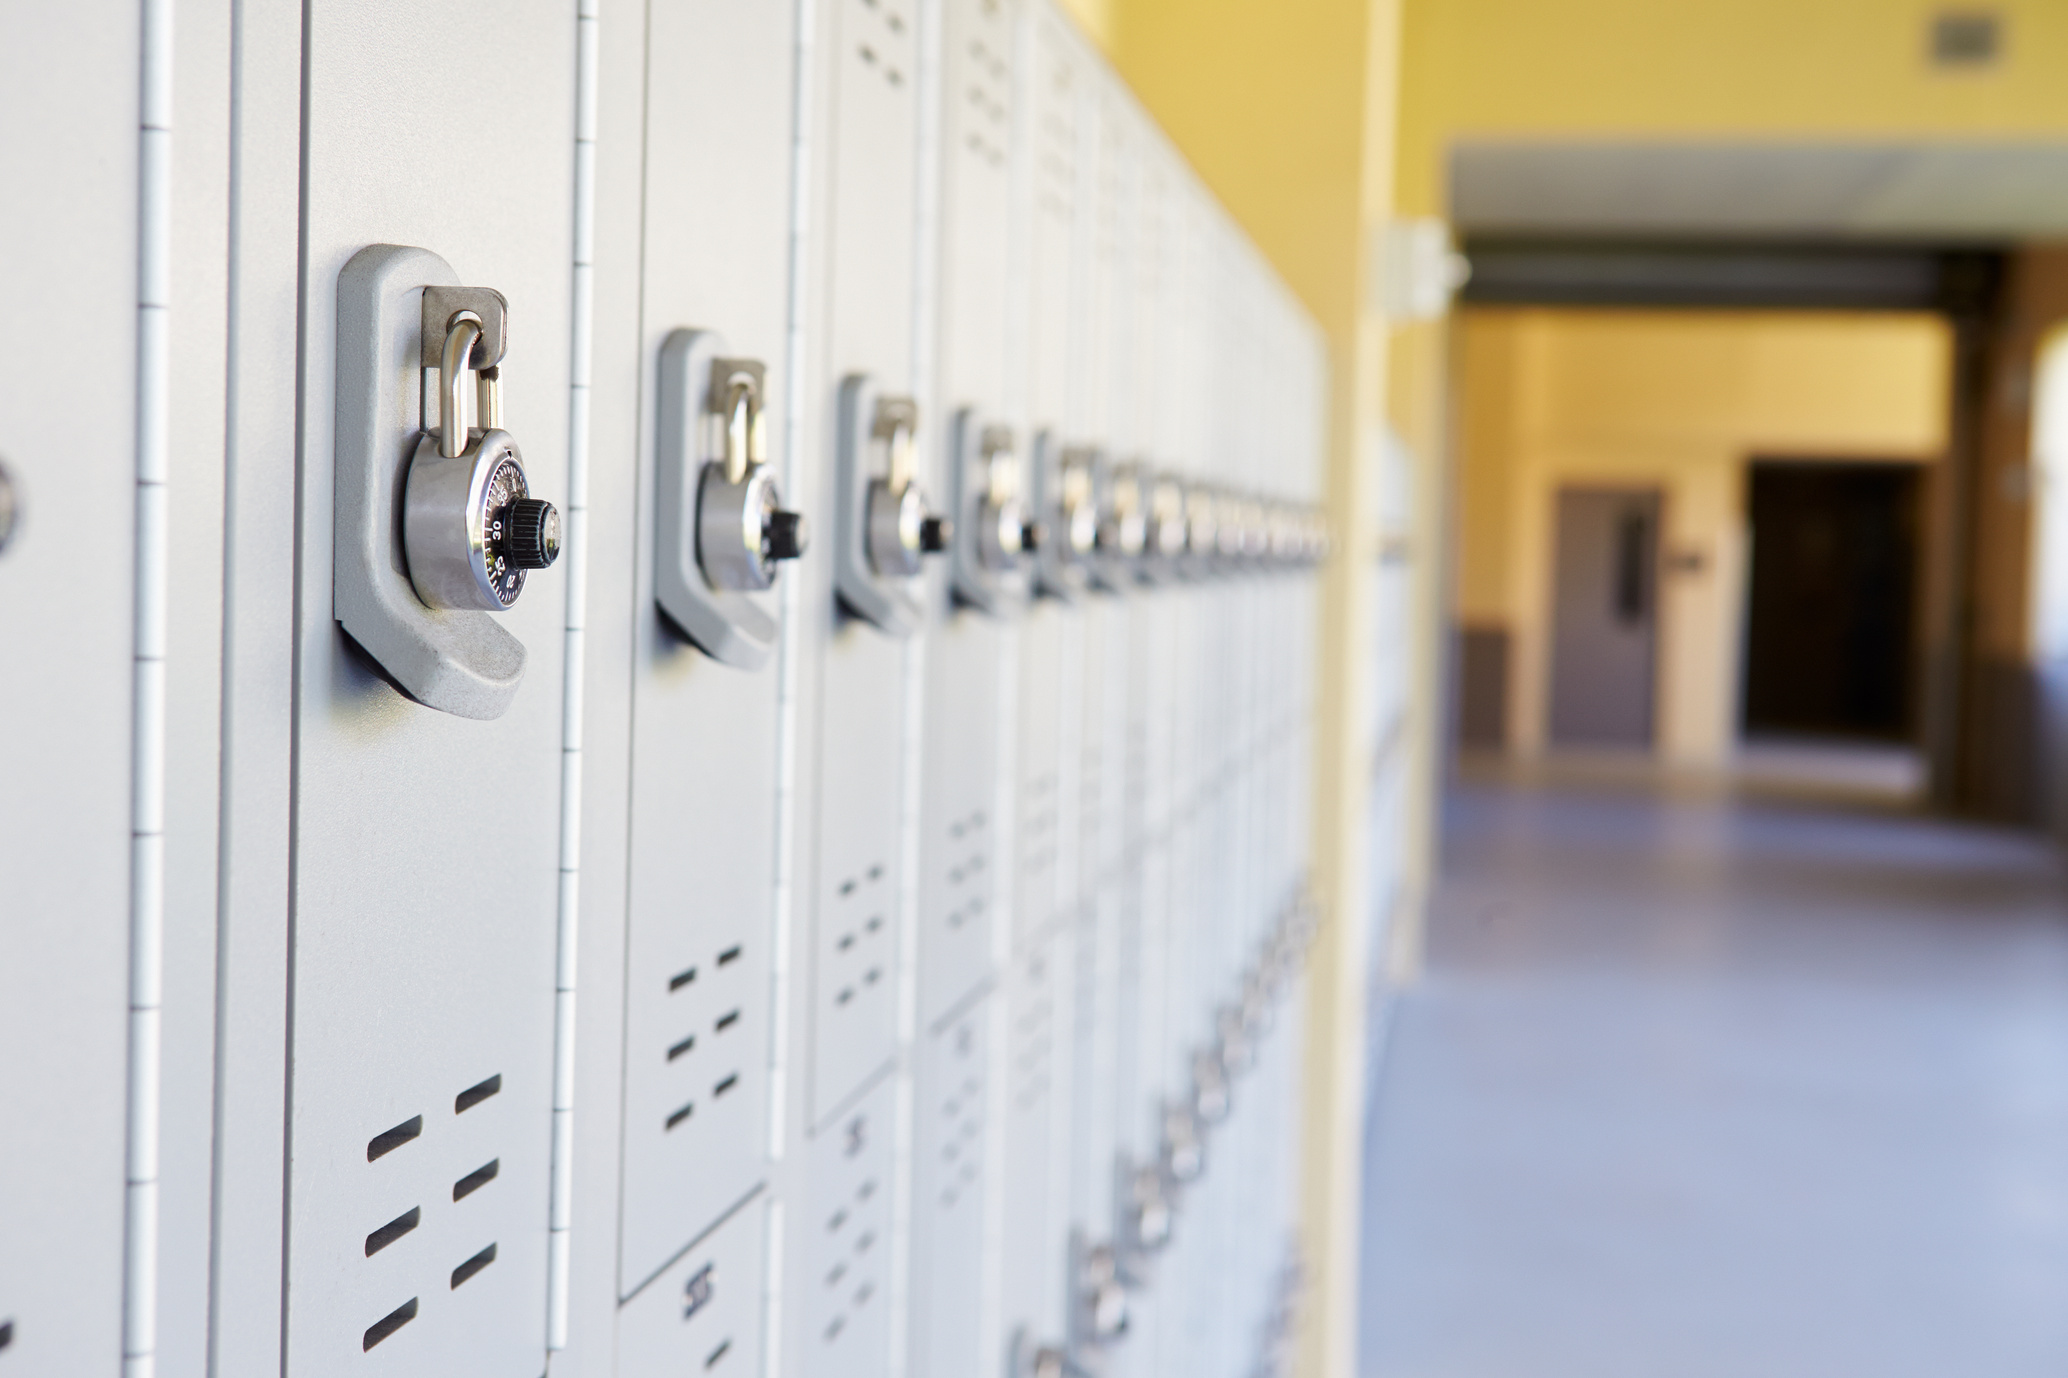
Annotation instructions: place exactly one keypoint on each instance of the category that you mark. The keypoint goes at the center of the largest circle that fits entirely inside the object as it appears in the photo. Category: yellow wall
(1095, 17)
(1742, 69)
(1678, 401)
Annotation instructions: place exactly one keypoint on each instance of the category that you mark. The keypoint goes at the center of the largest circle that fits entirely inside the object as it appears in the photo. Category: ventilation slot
(729, 956)
(7, 1334)
(473, 1265)
(393, 1230)
(680, 1048)
(477, 1093)
(722, 1087)
(726, 1021)
(718, 1353)
(681, 979)
(477, 1179)
(680, 1115)
(389, 1324)
(389, 1140)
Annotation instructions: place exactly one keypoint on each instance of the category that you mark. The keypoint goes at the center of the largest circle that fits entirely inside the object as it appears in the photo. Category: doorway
(1604, 617)
(1831, 613)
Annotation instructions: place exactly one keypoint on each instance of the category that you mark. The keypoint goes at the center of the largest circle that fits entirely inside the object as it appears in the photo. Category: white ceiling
(1881, 191)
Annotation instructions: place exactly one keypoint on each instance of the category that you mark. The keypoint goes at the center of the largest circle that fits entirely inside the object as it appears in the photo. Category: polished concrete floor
(1704, 1088)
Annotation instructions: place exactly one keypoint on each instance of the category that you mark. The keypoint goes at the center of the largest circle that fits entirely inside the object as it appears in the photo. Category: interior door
(1605, 617)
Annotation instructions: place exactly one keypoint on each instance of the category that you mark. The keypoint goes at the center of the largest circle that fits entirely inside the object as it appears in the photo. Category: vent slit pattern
(388, 1324)
(477, 1179)
(387, 1141)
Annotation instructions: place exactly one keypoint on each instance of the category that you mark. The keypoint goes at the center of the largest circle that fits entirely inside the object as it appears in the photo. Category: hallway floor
(1713, 1088)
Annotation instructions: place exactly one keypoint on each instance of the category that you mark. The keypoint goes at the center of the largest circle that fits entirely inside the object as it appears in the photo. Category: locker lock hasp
(471, 530)
(900, 529)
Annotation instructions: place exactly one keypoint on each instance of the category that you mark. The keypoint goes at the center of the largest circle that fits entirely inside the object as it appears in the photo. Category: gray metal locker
(853, 782)
(966, 809)
(842, 1279)
(426, 842)
(855, 606)
(954, 1138)
(714, 357)
(1034, 1157)
(69, 294)
(706, 1312)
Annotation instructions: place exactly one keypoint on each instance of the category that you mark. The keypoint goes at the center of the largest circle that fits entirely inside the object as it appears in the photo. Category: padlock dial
(743, 531)
(505, 489)
(533, 540)
(470, 527)
(900, 530)
(1002, 530)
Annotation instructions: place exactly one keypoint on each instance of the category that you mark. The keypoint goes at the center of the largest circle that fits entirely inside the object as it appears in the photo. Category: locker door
(1034, 1158)
(703, 1314)
(842, 1278)
(68, 310)
(955, 1103)
(853, 747)
(865, 232)
(978, 593)
(425, 843)
(1034, 1216)
(700, 922)
(1101, 258)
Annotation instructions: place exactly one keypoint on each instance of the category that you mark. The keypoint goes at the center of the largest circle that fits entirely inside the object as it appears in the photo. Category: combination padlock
(743, 529)
(1164, 529)
(1149, 1215)
(900, 529)
(1077, 508)
(1123, 528)
(1101, 1301)
(471, 530)
(1204, 521)
(1003, 532)
(1183, 1152)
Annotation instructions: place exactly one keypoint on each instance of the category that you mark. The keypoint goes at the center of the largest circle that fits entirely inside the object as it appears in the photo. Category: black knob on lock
(533, 541)
(1030, 537)
(786, 536)
(934, 534)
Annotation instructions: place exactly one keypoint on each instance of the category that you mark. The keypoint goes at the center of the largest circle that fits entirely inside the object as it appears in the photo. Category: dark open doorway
(1832, 610)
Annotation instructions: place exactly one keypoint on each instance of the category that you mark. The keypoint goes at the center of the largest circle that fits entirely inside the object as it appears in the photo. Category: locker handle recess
(884, 526)
(424, 606)
(722, 529)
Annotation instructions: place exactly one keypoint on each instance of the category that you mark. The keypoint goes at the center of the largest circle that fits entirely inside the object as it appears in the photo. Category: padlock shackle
(453, 365)
(742, 416)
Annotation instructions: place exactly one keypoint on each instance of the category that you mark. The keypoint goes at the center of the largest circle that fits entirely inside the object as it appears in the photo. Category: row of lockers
(658, 667)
